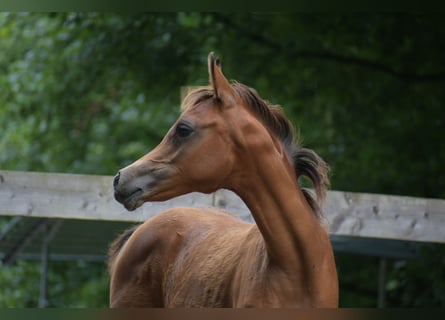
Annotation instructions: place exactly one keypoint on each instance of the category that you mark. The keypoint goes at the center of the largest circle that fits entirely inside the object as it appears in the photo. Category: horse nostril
(116, 180)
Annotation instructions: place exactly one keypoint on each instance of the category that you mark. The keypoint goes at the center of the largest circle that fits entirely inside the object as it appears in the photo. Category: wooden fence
(73, 196)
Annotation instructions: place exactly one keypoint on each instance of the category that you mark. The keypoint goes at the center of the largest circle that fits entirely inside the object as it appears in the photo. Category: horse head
(197, 153)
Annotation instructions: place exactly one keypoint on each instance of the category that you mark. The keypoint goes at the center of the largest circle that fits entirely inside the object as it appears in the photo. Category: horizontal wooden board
(73, 196)
(385, 216)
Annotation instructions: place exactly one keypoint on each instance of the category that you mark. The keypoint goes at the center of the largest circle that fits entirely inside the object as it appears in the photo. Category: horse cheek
(202, 171)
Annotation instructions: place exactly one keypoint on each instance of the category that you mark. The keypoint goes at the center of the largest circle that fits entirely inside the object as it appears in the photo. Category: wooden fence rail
(73, 196)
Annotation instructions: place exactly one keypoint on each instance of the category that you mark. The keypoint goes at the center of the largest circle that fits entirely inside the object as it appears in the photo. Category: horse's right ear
(221, 86)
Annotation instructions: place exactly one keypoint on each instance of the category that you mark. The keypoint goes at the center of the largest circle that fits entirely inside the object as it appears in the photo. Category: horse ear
(221, 86)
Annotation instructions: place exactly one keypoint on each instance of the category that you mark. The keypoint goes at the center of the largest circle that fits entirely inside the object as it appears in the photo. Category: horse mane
(305, 161)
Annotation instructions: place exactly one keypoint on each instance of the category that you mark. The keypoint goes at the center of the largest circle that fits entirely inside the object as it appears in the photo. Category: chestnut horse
(227, 137)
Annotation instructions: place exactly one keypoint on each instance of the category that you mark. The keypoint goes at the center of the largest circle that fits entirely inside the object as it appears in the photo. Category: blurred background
(91, 92)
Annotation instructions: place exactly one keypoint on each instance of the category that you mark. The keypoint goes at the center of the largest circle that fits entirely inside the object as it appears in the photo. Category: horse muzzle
(132, 187)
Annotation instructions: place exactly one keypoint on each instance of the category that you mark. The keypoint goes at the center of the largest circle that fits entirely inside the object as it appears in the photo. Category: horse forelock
(195, 97)
(305, 161)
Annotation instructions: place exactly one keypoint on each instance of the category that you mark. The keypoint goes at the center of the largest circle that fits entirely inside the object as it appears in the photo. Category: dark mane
(306, 162)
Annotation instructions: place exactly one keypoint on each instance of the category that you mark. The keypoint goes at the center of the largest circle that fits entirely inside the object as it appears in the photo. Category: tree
(90, 92)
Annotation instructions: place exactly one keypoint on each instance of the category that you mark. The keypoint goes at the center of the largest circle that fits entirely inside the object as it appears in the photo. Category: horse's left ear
(221, 86)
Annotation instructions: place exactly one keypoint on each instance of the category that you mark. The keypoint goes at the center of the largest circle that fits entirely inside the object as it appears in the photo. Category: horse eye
(183, 130)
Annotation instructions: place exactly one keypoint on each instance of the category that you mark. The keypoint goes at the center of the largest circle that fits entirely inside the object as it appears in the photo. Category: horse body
(227, 137)
(213, 260)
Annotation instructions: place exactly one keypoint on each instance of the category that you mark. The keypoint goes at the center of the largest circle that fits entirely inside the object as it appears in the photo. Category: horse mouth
(130, 201)
(133, 192)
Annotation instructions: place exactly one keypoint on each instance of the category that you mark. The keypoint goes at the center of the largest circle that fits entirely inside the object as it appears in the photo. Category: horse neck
(291, 232)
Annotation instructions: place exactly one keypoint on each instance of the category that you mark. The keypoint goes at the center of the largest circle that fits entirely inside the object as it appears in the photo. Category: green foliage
(78, 285)
(358, 280)
(19, 285)
(71, 284)
(407, 283)
(91, 92)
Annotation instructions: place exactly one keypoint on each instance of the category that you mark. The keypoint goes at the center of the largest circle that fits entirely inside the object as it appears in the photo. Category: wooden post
(382, 283)
(50, 230)
(44, 272)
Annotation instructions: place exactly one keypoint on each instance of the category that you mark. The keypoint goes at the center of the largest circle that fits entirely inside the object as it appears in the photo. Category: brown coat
(227, 137)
